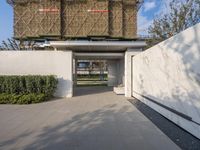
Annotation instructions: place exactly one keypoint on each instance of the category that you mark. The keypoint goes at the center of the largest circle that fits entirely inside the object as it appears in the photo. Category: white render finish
(112, 72)
(74, 72)
(99, 56)
(128, 64)
(57, 63)
(85, 45)
(169, 74)
(115, 72)
(119, 90)
(121, 72)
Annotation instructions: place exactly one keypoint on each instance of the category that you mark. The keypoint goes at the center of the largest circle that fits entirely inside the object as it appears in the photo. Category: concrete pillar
(112, 72)
(74, 72)
(120, 63)
(116, 72)
(128, 70)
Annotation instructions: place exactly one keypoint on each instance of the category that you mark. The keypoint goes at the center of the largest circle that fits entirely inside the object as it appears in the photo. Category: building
(75, 19)
(87, 29)
(165, 77)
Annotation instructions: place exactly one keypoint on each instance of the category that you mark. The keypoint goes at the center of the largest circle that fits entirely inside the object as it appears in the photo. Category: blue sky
(149, 10)
(6, 21)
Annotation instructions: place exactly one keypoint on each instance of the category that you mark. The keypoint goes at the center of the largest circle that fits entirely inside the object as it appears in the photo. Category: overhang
(97, 45)
(102, 56)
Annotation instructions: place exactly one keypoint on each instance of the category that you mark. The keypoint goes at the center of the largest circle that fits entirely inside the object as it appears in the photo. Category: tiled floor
(96, 119)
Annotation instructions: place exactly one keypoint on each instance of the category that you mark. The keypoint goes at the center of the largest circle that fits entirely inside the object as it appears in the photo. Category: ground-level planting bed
(27, 89)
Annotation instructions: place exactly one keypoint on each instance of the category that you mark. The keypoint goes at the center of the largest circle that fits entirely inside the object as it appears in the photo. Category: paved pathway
(98, 120)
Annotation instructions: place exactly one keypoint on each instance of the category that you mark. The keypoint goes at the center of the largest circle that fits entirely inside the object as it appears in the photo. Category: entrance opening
(97, 73)
(92, 73)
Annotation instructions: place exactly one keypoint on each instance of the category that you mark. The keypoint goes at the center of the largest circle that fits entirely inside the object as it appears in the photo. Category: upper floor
(75, 19)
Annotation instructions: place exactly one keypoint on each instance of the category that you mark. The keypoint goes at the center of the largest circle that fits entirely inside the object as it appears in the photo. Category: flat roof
(103, 56)
(97, 45)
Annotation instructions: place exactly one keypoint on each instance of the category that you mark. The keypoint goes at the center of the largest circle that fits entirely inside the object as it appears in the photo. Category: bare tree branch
(12, 44)
(182, 15)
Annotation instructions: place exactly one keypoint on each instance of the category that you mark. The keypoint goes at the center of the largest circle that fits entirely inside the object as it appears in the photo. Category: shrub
(22, 99)
(28, 84)
(26, 89)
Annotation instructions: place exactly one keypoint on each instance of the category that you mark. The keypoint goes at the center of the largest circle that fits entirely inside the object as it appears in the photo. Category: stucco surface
(128, 70)
(115, 72)
(57, 63)
(169, 74)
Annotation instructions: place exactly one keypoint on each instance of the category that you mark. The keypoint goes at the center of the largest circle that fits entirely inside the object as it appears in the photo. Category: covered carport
(118, 55)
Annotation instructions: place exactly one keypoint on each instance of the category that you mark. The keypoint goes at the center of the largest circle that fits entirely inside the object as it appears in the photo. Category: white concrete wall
(57, 63)
(121, 72)
(115, 72)
(74, 72)
(128, 70)
(169, 74)
(112, 72)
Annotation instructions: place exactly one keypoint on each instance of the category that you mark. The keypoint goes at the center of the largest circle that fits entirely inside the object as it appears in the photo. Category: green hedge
(22, 98)
(26, 89)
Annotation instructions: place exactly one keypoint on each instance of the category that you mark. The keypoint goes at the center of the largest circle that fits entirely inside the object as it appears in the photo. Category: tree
(182, 15)
(12, 44)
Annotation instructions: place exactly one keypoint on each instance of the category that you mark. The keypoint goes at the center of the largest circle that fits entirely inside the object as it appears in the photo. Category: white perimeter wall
(169, 73)
(128, 70)
(57, 63)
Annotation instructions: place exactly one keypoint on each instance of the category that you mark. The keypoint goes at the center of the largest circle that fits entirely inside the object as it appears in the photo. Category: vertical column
(128, 70)
(112, 73)
(121, 72)
(74, 72)
(67, 80)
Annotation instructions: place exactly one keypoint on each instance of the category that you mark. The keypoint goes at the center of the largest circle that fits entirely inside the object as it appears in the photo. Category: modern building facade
(75, 19)
(88, 29)
(165, 77)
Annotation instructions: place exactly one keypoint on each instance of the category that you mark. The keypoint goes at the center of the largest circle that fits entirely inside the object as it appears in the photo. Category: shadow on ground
(93, 122)
(91, 130)
(182, 138)
(90, 90)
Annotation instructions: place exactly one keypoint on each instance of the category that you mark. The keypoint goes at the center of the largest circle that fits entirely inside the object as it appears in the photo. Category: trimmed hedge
(22, 99)
(26, 89)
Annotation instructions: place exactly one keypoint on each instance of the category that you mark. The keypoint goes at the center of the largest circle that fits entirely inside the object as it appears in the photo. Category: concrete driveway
(96, 119)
